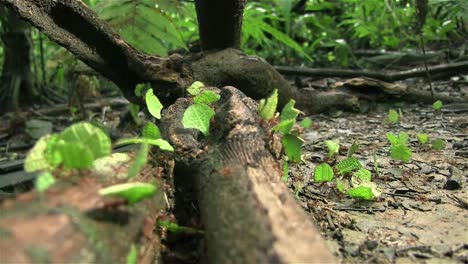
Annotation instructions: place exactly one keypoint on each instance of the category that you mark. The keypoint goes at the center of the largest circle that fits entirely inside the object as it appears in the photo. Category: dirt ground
(422, 216)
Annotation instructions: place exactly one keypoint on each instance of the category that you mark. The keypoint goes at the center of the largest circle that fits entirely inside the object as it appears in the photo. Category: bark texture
(16, 81)
(219, 23)
(248, 213)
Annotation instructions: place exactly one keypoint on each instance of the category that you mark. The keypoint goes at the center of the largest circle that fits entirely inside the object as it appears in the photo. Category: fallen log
(438, 70)
(248, 213)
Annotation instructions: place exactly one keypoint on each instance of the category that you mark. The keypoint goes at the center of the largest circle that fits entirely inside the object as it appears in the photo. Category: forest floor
(420, 217)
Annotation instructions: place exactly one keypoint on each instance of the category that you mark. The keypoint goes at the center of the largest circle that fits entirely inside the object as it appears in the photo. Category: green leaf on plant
(400, 152)
(150, 130)
(132, 256)
(363, 174)
(437, 105)
(44, 181)
(348, 165)
(354, 147)
(306, 123)
(422, 138)
(140, 160)
(75, 155)
(323, 173)
(333, 147)
(206, 97)
(132, 192)
(438, 144)
(195, 88)
(89, 136)
(285, 171)
(198, 116)
(153, 104)
(161, 143)
(267, 108)
(175, 228)
(392, 116)
(292, 147)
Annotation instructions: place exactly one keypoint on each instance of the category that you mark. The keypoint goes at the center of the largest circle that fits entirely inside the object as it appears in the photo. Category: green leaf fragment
(422, 138)
(354, 147)
(437, 105)
(323, 173)
(400, 152)
(75, 155)
(361, 192)
(198, 116)
(161, 143)
(44, 181)
(363, 174)
(289, 112)
(153, 104)
(306, 123)
(150, 130)
(292, 147)
(139, 88)
(90, 137)
(284, 127)
(175, 228)
(140, 161)
(285, 176)
(268, 108)
(438, 144)
(36, 159)
(132, 256)
(132, 192)
(333, 147)
(392, 116)
(195, 88)
(206, 97)
(348, 165)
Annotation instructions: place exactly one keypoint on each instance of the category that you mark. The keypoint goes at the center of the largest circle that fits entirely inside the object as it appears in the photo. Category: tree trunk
(219, 23)
(16, 82)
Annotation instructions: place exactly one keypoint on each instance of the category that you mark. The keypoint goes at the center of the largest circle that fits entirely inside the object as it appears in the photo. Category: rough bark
(71, 223)
(248, 213)
(16, 82)
(220, 23)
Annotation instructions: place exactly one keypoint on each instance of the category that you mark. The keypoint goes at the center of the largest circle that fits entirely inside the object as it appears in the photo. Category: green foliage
(392, 116)
(438, 144)
(150, 130)
(292, 147)
(132, 192)
(36, 160)
(206, 97)
(437, 105)
(363, 174)
(195, 88)
(361, 192)
(132, 256)
(323, 173)
(267, 108)
(44, 181)
(348, 165)
(333, 147)
(198, 116)
(399, 149)
(140, 160)
(153, 104)
(287, 118)
(150, 27)
(422, 138)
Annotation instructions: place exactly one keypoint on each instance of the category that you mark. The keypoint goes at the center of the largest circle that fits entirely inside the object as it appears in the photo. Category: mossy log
(72, 223)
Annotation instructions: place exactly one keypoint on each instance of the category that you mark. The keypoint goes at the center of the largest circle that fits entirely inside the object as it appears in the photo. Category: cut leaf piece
(348, 165)
(268, 108)
(175, 228)
(150, 130)
(333, 147)
(140, 161)
(289, 112)
(195, 88)
(132, 192)
(44, 181)
(437, 105)
(306, 123)
(206, 97)
(392, 116)
(75, 155)
(91, 137)
(363, 174)
(132, 256)
(284, 127)
(438, 144)
(153, 104)
(323, 173)
(292, 147)
(361, 192)
(139, 88)
(198, 116)
(422, 138)
(400, 152)
(161, 143)
(285, 171)
(36, 159)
